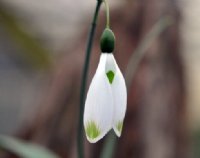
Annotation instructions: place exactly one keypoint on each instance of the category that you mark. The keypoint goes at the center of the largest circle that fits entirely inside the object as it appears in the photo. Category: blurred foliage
(138, 54)
(109, 146)
(196, 143)
(24, 149)
(32, 51)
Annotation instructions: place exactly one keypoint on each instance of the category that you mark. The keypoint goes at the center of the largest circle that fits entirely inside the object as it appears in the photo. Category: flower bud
(107, 41)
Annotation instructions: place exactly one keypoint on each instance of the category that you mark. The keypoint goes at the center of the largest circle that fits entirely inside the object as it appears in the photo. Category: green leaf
(24, 149)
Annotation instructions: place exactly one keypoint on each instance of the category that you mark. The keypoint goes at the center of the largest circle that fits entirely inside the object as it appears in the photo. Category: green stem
(80, 139)
(107, 14)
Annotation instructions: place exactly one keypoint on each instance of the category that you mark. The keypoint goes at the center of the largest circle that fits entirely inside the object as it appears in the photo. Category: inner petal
(110, 67)
(110, 75)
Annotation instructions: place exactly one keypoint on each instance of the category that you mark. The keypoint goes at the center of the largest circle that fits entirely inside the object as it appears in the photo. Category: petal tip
(92, 132)
(118, 128)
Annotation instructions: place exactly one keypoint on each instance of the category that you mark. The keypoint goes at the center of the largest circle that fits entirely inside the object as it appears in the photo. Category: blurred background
(42, 51)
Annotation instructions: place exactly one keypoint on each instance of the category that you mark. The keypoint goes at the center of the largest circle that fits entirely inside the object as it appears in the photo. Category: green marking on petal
(110, 74)
(92, 130)
(119, 126)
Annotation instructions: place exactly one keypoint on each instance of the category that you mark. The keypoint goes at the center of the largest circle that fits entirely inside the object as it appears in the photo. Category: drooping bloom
(106, 100)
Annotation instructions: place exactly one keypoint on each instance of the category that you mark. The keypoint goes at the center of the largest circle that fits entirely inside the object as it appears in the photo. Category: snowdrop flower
(106, 99)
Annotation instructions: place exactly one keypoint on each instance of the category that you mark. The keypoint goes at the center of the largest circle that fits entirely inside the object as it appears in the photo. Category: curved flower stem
(80, 141)
(107, 14)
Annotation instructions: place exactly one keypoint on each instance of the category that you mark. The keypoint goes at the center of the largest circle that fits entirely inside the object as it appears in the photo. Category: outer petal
(120, 101)
(98, 112)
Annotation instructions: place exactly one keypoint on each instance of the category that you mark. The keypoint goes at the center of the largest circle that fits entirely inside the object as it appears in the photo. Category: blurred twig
(142, 48)
(33, 52)
(131, 69)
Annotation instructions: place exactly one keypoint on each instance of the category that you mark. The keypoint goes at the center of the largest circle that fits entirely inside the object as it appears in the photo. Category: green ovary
(119, 126)
(110, 75)
(92, 130)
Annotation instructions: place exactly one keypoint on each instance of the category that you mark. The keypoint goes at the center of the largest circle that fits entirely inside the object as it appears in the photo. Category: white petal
(119, 93)
(98, 112)
(110, 63)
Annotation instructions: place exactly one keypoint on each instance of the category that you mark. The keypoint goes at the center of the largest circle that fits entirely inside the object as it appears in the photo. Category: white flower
(106, 100)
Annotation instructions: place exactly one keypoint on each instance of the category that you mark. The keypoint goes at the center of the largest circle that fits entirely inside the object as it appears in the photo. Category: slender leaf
(24, 149)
